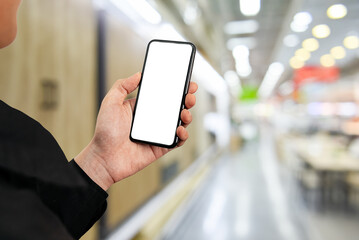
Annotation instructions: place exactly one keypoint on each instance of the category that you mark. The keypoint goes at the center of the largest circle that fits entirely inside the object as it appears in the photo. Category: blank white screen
(160, 97)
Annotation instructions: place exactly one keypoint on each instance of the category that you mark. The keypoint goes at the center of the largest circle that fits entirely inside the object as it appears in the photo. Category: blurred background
(273, 151)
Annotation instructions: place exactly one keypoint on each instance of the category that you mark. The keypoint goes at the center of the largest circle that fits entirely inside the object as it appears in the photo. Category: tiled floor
(245, 198)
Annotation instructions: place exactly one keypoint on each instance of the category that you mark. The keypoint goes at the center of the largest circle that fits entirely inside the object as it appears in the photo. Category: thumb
(128, 85)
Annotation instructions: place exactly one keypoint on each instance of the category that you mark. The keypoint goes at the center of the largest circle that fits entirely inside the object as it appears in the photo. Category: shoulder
(25, 145)
(17, 125)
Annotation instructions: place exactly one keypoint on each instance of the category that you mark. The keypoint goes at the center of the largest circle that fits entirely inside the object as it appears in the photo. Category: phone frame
(185, 91)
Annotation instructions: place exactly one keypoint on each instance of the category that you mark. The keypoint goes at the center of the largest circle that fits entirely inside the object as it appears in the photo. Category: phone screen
(165, 79)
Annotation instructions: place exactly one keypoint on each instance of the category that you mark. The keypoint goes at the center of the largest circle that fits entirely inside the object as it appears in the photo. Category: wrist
(94, 166)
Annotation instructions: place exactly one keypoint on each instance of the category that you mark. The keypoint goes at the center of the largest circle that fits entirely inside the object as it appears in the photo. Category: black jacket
(42, 195)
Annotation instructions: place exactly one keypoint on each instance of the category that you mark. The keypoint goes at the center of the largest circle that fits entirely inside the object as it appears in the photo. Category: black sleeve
(78, 206)
(34, 166)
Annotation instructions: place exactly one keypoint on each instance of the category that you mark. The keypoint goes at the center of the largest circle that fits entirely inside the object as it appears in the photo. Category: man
(42, 195)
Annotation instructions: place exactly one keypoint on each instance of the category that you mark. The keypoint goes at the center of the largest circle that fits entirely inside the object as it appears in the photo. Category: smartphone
(162, 90)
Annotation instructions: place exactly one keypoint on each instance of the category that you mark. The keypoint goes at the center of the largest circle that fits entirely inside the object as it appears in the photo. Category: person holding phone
(42, 195)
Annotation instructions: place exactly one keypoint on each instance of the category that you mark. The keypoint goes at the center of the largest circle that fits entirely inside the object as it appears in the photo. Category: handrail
(131, 226)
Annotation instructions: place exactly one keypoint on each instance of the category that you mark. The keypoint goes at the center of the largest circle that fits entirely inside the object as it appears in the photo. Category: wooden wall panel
(55, 46)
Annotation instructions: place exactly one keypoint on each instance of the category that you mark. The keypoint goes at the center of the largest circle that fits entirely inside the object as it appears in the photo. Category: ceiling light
(276, 69)
(249, 7)
(351, 42)
(304, 18)
(337, 11)
(190, 14)
(241, 57)
(243, 69)
(302, 54)
(295, 63)
(310, 44)
(321, 31)
(327, 60)
(240, 51)
(241, 27)
(338, 52)
(291, 40)
(273, 74)
(301, 21)
(297, 27)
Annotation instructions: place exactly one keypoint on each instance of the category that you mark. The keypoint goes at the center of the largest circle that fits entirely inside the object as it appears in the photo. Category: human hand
(111, 156)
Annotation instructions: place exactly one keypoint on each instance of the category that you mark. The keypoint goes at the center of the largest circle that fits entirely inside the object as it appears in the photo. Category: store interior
(273, 148)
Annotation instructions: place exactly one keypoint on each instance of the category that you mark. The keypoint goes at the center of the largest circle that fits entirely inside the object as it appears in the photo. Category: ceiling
(203, 23)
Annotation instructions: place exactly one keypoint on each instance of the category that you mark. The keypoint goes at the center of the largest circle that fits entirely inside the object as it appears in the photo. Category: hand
(111, 156)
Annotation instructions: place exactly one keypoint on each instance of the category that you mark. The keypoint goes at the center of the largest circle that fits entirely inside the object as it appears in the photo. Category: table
(331, 162)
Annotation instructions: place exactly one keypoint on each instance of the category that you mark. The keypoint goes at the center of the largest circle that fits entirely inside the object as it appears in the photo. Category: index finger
(192, 87)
